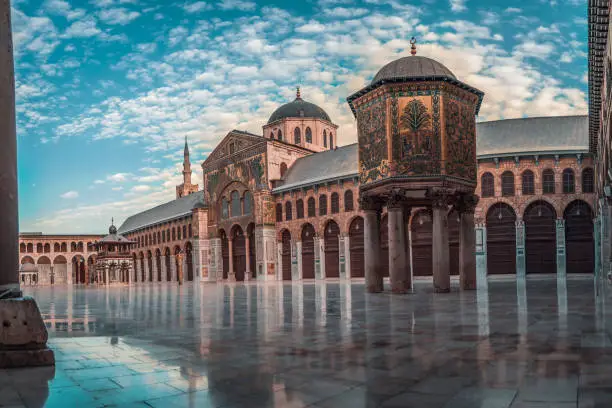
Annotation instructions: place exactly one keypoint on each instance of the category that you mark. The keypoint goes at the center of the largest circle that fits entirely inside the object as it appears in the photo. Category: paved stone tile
(322, 345)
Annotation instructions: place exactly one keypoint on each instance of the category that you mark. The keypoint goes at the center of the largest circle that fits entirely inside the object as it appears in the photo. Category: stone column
(400, 283)
(440, 258)
(215, 269)
(106, 274)
(296, 271)
(231, 276)
(69, 270)
(138, 271)
(346, 244)
(172, 268)
(371, 241)
(247, 272)
(521, 266)
(605, 236)
(147, 272)
(279, 261)
(319, 255)
(265, 255)
(597, 242)
(86, 273)
(561, 267)
(467, 243)
(164, 271)
(481, 256)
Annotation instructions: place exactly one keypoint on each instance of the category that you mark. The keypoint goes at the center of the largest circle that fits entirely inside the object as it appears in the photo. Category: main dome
(413, 67)
(299, 108)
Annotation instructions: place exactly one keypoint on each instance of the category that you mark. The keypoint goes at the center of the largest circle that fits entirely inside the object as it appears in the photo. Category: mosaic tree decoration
(460, 142)
(416, 140)
(372, 141)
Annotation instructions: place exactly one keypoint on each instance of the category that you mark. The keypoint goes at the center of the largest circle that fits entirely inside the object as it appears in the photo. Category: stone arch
(27, 259)
(421, 228)
(43, 260)
(59, 260)
(356, 231)
(308, 251)
(47, 248)
(60, 270)
(167, 262)
(78, 269)
(22, 248)
(501, 238)
(285, 239)
(523, 207)
(56, 247)
(487, 204)
(540, 237)
(579, 243)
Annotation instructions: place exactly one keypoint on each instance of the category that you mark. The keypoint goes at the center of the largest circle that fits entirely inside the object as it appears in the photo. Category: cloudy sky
(108, 89)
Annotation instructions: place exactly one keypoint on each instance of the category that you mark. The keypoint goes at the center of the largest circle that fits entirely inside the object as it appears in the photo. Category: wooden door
(286, 255)
(501, 240)
(579, 245)
(239, 256)
(356, 248)
(540, 238)
(308, 269)
(421, 244)
(332, 250)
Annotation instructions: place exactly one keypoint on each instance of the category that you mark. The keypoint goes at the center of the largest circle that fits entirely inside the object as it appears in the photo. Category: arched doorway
(78, 269)
(286, 254)
(150, 265)
(453, 242)
(332, 250)
(252, 263)
(91, 267)
(579, 245)
(421, 233)
(141, 260)
(540, 238)
(168, 265)
(356, 248)
(224, 253)
(501, 239)
(308, 269)
(238, 252)
(189, 261)
(59, 274)
(384, 246)
(44, 269)
(158, 264)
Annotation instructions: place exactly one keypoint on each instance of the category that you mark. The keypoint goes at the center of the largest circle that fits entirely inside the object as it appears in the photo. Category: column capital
(370, 203)
(397, 199)
(466, 203)
(440, 198)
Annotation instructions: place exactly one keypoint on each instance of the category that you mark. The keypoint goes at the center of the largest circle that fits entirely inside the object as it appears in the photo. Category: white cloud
(141, 188)
(196, 7)
(241, 5)
(84, 28)
(70, 194)
(343, 12)
(121, 16)
(99, 182)
(458, 5)
(119, 177)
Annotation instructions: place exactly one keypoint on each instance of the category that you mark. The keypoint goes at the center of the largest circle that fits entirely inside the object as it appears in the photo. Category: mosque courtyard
(539, 343)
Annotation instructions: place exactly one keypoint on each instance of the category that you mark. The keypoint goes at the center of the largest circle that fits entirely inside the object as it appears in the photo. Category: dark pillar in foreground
(23, 335)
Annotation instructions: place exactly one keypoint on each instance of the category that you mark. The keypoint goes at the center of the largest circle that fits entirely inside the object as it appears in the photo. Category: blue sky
(108, 89)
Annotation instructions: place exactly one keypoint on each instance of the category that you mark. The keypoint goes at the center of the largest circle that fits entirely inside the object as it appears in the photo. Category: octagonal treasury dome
(413, 67)
(299, 108)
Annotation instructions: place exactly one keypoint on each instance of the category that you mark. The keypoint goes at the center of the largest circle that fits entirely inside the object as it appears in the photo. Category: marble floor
(534, 344)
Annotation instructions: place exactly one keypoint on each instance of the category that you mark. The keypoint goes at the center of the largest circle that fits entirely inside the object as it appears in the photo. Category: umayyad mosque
(426, 191)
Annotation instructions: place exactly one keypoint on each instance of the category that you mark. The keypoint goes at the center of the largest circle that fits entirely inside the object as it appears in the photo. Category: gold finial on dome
(413, 46)
(298, 94)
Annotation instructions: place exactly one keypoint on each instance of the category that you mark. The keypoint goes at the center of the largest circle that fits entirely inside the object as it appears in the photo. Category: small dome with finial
(112, 229)
(299, 108)
(413, 67)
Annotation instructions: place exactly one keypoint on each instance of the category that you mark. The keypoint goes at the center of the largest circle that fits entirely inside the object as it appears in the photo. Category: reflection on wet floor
(534, 343)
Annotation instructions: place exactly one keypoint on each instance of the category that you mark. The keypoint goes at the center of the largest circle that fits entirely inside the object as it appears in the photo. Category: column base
(374, 289)
(400, 288)
(442, 290)
(468, 286)
(247, 276)
(231, 277)
(23, 335)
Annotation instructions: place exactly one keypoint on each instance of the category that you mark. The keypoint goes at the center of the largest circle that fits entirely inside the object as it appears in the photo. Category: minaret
(186, 188)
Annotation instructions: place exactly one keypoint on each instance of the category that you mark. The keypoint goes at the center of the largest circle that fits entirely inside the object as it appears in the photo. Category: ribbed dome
(112, 230)
(299, 108)
(413, 67)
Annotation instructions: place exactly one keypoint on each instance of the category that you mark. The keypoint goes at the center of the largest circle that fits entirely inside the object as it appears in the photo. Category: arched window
(587, 181)
(331, 141)
(154, 238)
(335, 203)
(31, 247)
(173, 233)
(528, 183)
(299, 209)
(248, 203)
(288, 211)
(548, 181)
(190, 231)
(283, 169)
(178, 233)
(487, 185)
(168, 235)
(322, 204)
(279, 212)
(311, 207)
(569, 182)
(224, 208)
(348, 200)
(308, 135)
(325, 138)
(158, 237)
(184, 231)
(280, 135)
(22, 248)
(507, 179)
(236, 207)
(297, 136)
